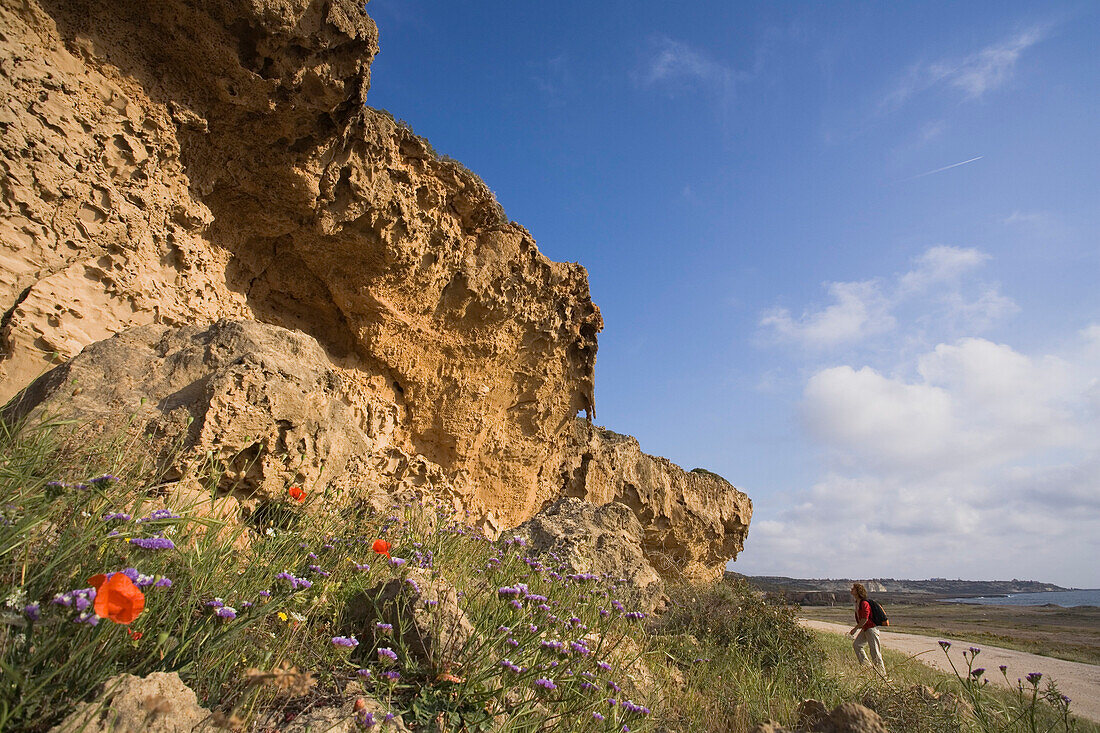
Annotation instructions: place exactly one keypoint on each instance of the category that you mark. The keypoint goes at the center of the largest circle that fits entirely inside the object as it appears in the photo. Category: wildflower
(366, 720)
(32, 611)
(413, 585)
(153, 543)
(349, 641)
(945, 645)
(510, 666)
(396, 561)
(296, 494)
(120, 516)
(362, 568)
(246, 604)
(365, 673)
(163, 583)
(546, 684)
(226, 612)
(607, 667)
(317, 569)
(135, 635)
(158, 515)
(1003, 668)
(517, 603)
(117, 598)
(385, 653)
(975, 651)
(392, 675)
(384, 628)
(634, 616)
(597, 716)
(104, 479)
(381, 547)
(216, 603)
(612, 686)
(976, 673)
(263, 593)
(1034, 677)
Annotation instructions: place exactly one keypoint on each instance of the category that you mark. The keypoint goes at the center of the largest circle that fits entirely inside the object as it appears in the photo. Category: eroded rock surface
(694, 521)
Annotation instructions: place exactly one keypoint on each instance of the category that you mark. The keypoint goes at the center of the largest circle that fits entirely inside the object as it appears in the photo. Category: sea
(1065, 598)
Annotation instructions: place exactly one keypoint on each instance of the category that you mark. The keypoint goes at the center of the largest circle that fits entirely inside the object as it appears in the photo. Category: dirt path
(1079, 682)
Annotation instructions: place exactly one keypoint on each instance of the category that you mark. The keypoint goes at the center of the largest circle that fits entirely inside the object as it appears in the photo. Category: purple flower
(32, 611)
(384, 628)
(104, 479)
(413, 585)
(634, 616)
(349, 641)
(153, 543)
(976, 673)
(975, 650)
(945, 644)
(578, 647)
(517, 603)
(511, 642)
(362, 568)
(604, 666)
(546, 684)
(121, 516)
(226, 612)
(317, 569)
(163, 583)
(216, 603)
(508, 665)
(87, 618)
(1034, 677)
(613, 687)
(385, 653)
(1003, 668)
(366, 719)
(158, 515)
(597, 716)
(263, 593)
(246, 604)
(392, 675)
(363, 672)
(397, 561)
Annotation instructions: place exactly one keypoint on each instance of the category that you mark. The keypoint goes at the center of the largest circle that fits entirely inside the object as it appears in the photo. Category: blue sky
(799, 293)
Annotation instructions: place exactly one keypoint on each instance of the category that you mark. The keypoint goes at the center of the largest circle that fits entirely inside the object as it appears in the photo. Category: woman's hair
(860, 591)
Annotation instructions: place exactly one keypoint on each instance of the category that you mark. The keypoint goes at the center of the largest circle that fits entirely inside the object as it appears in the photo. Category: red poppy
(117, 598)
(381, 547)
(135, 635)
(297, 494)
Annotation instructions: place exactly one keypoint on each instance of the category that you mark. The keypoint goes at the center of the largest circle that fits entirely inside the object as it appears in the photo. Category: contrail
(946, 167)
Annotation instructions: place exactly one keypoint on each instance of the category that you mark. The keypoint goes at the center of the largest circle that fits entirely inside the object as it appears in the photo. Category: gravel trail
(1080, 682)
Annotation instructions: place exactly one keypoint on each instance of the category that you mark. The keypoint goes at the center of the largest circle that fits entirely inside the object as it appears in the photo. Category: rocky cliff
(184, 161)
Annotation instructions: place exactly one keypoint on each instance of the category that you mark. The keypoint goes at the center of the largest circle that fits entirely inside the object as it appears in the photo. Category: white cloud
(673, 61)
(859, 310)
(937, 289)
(989, 68)
(973, 75)
(983, 462)
(940, 264)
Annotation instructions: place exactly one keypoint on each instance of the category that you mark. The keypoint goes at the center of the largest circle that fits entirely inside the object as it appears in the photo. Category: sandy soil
(1080, 682)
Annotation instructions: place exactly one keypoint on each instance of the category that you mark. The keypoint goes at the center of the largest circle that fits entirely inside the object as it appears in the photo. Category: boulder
(606, 540)
(159, 703)
(263, 404)
(851, 717)
(424, 612)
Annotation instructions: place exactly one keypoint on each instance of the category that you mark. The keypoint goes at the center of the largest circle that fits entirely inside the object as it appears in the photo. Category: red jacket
(863, 615)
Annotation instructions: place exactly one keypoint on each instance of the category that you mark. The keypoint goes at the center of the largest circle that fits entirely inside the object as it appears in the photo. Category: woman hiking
(867, 631)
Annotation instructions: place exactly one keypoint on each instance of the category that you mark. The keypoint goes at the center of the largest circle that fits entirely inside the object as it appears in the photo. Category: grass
(288, 611)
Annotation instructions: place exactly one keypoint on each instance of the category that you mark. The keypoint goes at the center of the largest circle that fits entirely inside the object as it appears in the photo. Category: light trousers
(869, 638)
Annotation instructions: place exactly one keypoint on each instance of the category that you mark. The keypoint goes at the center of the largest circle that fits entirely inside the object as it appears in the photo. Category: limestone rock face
(694, 521)
(170, 164)
(182, 161)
